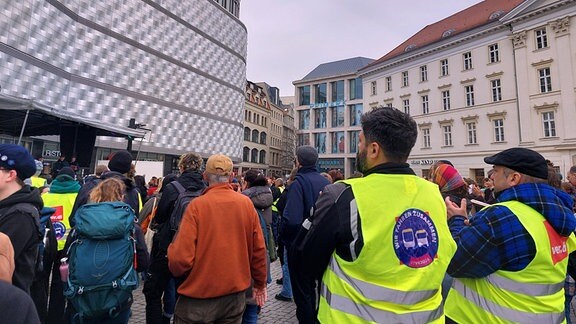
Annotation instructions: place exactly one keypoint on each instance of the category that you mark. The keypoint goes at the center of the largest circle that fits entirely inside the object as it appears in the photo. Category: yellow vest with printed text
(407, 247)
(63, 203)
(534, 294)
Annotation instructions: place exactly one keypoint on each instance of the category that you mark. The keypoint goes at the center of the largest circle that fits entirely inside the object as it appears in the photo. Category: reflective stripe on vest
(369, 313)
(504, 312)
(274, 208)
(376, 292)
(531, 289)
(530, 295)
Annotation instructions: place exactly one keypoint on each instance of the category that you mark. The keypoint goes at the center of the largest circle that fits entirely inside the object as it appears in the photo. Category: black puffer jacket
(131, 196)
(23, 230)
(262, 199)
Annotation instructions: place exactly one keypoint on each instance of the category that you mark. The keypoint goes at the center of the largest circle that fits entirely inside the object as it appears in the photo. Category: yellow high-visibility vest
(37, 182)
(63, 203)
(397, 277)
(274, 208)
(534, 294)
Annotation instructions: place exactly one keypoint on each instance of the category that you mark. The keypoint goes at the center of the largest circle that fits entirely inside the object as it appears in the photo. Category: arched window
(263, 138)
(254, 158)
(246, 133)
(246, 154)
(263, 157)
(255, 136)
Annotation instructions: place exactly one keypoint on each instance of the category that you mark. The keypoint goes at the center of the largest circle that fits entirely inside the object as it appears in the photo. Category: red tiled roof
(467, 19)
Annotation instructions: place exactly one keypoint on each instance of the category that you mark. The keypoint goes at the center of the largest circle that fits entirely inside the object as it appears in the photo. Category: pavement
(274, 311)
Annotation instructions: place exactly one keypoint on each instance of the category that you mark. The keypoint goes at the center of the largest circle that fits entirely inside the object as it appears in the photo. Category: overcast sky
(289, 38)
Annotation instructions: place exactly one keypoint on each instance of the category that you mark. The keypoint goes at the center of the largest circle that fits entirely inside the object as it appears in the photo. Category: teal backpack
(101, 260)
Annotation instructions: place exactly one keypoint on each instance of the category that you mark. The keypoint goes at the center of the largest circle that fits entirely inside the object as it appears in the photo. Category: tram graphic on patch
(415, 238)
(59, 230)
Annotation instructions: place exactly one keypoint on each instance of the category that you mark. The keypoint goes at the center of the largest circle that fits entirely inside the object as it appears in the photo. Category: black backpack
(184, 198)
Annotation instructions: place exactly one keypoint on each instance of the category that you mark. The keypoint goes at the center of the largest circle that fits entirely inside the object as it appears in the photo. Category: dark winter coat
(131, 196)
(23, 230)
(262, 199)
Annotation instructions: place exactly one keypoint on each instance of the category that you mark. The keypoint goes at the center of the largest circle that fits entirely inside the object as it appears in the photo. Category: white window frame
(549, 123)
(423, 73)
(426, 137)
(446, 100)
(406, 106)
(471, 133)
(493, 53)
(469, 91)
(541, 38)
(444, 67)
(498, 125)
(425, 104)
(373, 88)
(405, 81)
(447, 134)
(496, 87)
(545, 79)
(467, 57)
(388, 80)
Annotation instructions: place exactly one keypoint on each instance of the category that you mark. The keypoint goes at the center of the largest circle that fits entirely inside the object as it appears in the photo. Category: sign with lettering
(328, 104)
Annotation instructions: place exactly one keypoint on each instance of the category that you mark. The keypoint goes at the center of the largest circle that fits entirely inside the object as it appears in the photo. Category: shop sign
(423, 162)
(328, 104)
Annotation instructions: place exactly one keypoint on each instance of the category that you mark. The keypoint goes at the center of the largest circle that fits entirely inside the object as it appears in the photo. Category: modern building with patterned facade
(327, 112)
(496, 75)
(176, 66)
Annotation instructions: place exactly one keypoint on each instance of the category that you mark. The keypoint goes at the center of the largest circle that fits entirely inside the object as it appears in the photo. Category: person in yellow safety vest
(63, 192)
(379, 244)
(511, 260)
(279, 184)
(36, 181)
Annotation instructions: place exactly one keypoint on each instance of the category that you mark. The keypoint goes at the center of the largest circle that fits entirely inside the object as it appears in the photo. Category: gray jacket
(261, 197)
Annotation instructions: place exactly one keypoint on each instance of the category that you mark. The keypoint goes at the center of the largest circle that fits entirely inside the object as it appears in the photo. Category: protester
(58, 165)
(279, 184)
(302, 196)
(105, 200)
(6, 258)
(15, 305)
(220, 251)
(35, 180)
(511, 260)
(63, 192)
(119, 165)
(160, 277)
(256, 188)
(379, 244)
(140, 184)
(19, 207)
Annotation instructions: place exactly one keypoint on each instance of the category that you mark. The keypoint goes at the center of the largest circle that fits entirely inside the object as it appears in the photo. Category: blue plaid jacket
(496, 240)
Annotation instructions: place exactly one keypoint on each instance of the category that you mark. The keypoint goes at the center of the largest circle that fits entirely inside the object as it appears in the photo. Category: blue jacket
(302, 195)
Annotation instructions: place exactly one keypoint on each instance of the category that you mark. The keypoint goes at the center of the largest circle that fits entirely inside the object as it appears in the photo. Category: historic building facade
(493, 76)
(176, 66)
(268, 131)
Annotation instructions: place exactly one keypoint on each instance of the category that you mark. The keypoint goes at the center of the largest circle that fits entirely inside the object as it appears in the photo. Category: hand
(260, 295)
(453, 209)
(476, 191)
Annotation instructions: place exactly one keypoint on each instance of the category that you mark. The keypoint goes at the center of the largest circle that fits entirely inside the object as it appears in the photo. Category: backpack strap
(179, 187)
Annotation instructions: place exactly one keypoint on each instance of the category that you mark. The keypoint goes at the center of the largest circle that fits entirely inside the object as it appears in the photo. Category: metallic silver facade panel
(178, 66)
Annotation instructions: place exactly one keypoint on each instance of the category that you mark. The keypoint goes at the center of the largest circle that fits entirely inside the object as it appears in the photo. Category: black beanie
(120, 162)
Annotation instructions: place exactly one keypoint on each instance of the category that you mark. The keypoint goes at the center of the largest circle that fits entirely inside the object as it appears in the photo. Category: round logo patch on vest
(415, 238)
(59, 230)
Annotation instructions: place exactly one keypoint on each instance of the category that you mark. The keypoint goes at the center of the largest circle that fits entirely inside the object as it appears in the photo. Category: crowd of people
(384, 245)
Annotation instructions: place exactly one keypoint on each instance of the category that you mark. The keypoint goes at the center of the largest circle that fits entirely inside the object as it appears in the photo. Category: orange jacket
(219, 245)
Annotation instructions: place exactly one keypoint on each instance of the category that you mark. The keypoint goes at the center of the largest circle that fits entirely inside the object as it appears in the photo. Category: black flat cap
(521, 160)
